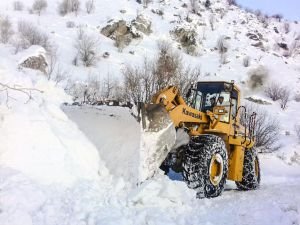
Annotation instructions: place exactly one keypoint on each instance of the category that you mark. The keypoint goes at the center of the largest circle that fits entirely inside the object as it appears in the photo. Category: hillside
(76, 165)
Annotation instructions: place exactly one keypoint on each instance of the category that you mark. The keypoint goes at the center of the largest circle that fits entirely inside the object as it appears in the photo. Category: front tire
(251, 172)
(205, 165)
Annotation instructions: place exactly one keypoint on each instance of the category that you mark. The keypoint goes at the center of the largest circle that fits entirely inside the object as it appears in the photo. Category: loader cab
(206, 95)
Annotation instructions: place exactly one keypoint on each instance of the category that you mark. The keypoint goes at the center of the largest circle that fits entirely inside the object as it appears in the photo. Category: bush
(297, 130)
(18, 6)
(31, 35)
(67, 6)
(246, 61)
(39, 6)
(266, 128)
(70, 24)
(167, 69)
(277, 92)
(274, 91)
(87, 48)
(90, 6)
(6, 30)
(257, 77)
(222, 46)
(285, 97)
(286, 28)
(231, 2)
(194, 6)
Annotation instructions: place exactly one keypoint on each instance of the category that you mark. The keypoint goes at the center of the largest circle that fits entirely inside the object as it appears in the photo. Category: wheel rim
(216, 169)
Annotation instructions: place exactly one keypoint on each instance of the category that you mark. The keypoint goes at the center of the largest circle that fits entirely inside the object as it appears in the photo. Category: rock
(36, 63)
(142, 24)
(258, 101)
(252, 36)
(283, 46)
(123, 33)
(123, 11)
(106, 54)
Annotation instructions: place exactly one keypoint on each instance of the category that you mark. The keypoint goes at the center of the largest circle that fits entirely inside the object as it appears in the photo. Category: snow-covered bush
(246, 61)
(278, 92)
(285, 97)
(222, 45)
(18, 6)
(87, 47)
(90, 6)
(297, 130)
(278, 17)
(194, 5)
(39, 6)
(266, 128)
(231, 2)
(70, 24)
(257, 77)
(31, 35)
(286, 27)
(67, 6)
(6, 30)
(274, 91)
(167, 69)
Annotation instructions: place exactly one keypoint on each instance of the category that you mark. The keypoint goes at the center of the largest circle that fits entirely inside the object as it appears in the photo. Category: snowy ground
(276, 202)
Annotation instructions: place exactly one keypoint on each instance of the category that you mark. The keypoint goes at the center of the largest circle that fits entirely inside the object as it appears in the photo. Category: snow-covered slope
(56, 171)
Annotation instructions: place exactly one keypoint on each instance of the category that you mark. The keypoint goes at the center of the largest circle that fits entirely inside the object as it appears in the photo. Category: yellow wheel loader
(201, 137)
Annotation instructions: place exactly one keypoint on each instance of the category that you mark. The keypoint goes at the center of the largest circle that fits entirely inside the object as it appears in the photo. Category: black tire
(200, 154)
(251, 172)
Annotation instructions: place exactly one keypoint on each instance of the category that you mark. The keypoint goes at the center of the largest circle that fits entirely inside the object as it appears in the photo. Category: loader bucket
(158, 136)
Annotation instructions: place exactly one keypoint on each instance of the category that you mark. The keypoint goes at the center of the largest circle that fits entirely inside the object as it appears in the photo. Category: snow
(78, 165)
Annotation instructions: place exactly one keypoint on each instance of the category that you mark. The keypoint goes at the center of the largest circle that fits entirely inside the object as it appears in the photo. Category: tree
(90, 6)
(6, 30)
(39, 6)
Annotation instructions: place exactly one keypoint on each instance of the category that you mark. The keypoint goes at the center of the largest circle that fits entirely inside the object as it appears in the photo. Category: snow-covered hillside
(77, 165)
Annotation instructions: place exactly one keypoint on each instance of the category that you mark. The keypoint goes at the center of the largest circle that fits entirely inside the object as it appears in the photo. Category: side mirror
(189, 92)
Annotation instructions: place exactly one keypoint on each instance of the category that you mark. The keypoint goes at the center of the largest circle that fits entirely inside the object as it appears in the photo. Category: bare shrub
(167, 69)
(51, 61)
(70, 24)
(257, 77)
(297, 97)
(266, 130)
(212, 21)
(285, 97)
(222, 45)
(31, 35)
(6, 30)
(286, 27)
(75, 6)
(274, 91)
(39, 6)
(246, 61)
(231, 2)
(146, 3)
(67, 6)
(278, 17)
(87, 48)
(18, 6)
(194, 6)
(90, 6)
(297, 131)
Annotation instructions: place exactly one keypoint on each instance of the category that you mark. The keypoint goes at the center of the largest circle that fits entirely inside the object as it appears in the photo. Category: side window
(198, 101)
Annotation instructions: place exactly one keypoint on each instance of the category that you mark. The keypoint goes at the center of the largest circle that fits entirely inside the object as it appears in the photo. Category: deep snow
(80, 168)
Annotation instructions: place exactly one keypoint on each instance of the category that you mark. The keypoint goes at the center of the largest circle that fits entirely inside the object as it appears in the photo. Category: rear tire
(205, 165)
(251, 172)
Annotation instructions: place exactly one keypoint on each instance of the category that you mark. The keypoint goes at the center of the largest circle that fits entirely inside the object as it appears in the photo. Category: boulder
(36, 63)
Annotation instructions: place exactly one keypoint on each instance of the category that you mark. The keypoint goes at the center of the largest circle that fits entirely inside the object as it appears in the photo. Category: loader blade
(158, 136)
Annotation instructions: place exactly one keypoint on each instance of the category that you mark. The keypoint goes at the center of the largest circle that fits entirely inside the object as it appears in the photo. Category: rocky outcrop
(124, 32)
(35, 63)
(187, 37)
